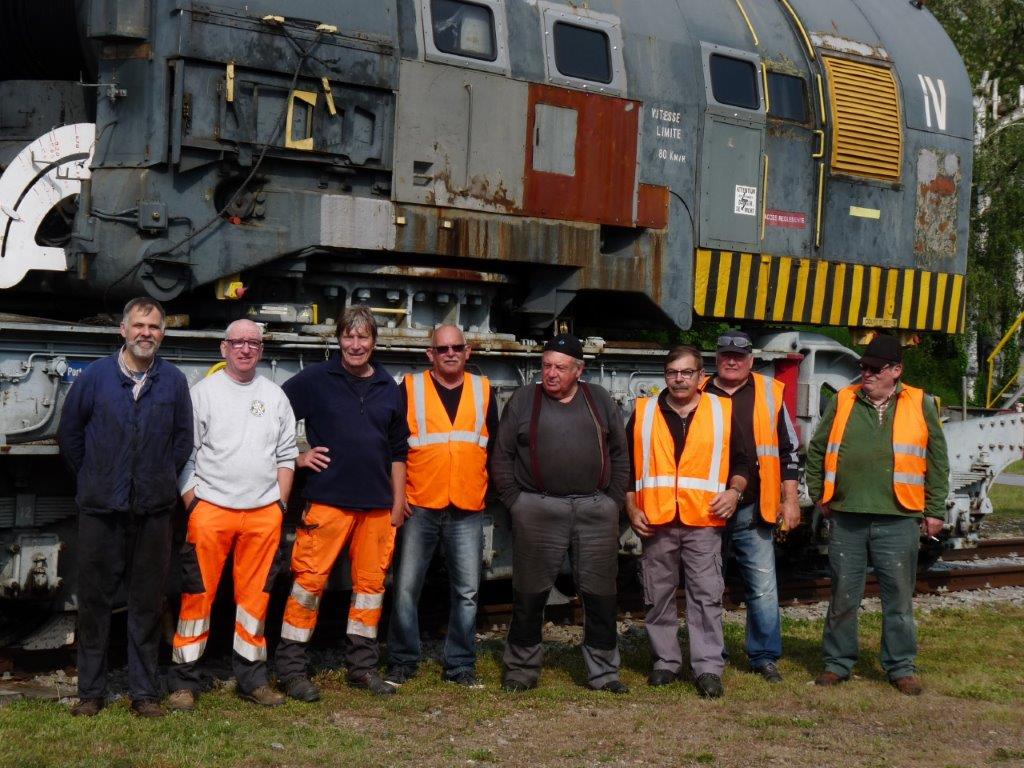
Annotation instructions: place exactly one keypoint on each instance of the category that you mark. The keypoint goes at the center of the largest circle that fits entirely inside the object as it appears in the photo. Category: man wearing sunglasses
(878, 466)
(766, 430)
(451, 416)
(235, 488)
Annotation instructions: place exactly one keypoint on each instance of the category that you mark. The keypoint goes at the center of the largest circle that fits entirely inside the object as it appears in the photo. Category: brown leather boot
(829, 679)
(147, 708)
(87, 707)
(181, 700)
(908, 686)
(265, 696)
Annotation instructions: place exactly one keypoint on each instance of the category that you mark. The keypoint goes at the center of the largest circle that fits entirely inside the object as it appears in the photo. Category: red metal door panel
(602, 190)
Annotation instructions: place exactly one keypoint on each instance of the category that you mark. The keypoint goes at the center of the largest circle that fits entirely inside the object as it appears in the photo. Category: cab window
(734, 82)
(464, 29)
(582, 52)
(787, 97)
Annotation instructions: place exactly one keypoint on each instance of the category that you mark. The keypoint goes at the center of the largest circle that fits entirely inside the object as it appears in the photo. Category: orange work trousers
(255, 535)
(318, 542)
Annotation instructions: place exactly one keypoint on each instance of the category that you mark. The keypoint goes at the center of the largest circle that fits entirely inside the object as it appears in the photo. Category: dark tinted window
(582, 53)
(787, 97)
(465, 29)
(734, 82)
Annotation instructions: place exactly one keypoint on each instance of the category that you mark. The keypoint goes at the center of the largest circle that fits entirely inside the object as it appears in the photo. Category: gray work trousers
(700, 552)
(544, 528)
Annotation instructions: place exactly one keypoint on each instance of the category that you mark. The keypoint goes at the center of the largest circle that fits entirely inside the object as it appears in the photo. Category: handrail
(991, 360)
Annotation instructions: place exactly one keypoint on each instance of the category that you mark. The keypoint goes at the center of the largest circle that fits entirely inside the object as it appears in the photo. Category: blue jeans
(462, 535)
(754, 552)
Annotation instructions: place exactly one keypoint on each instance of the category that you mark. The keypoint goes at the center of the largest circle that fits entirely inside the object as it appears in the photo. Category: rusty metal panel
(935, 219)
(652, 207)
(604, 184)
(459, 138)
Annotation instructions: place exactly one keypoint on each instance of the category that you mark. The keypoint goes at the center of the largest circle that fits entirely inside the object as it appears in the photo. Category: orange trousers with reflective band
(255, 535)
(318, 542)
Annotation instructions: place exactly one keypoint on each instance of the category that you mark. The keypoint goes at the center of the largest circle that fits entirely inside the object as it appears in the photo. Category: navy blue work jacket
(126, 453)
(364, 434)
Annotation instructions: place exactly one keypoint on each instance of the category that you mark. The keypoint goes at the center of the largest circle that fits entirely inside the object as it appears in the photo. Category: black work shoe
(511, 685)
(661, 677)
(397, 676)
(301, 688)
(88, 707)
(614, 686)
(371, 681)
(147, 708)
(466, 679)
(769, 671)
(710, 686)
(265, 696)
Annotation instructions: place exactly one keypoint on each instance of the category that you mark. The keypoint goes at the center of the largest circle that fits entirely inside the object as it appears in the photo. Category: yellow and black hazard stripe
(754, 286)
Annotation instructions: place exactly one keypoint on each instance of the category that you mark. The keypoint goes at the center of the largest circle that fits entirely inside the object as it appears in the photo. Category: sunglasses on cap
(735, 341)
(446, 348)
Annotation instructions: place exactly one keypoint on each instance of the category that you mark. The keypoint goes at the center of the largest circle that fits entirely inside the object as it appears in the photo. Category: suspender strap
(538, 481)
(606, 470)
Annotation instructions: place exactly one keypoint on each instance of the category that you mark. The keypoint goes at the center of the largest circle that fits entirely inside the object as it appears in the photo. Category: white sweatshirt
(242, 434)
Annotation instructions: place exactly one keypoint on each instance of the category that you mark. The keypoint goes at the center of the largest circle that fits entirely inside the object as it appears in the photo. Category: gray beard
(140, 352)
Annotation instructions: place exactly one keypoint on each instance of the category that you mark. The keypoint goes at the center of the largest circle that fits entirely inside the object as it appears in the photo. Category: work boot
(371, 681)
(511, 685)
(88, 707)
(769, 671)
(660, 677)
(828, 679)
(301, 688)
(466, 678)
(265, 696)
(614, 686)
(908, 685)
(181, 700)
(398, 676)
(147, 708)
(709, 685)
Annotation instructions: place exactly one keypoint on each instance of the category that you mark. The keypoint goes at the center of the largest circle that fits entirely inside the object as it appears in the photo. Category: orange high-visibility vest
(909, 445)
(447, 463)
(662, 486)
(767, 405)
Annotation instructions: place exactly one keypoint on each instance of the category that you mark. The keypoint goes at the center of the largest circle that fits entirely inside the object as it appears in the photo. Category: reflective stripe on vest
(767, 405)
(447, 462)
(702, 470)
(909, 446)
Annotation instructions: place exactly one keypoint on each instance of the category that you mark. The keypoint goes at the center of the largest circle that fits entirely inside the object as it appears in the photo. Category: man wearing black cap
(877, 465)
(764, 427)
(561, 466)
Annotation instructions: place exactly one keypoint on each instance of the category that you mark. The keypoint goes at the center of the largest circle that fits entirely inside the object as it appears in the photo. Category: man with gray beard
(126, 432)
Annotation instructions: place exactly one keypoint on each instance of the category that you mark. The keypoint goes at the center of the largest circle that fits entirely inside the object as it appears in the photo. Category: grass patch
(970, 662)
(1007, 502)
(1017, 468)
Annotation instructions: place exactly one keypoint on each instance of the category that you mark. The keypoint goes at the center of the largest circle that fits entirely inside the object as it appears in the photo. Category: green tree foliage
(990, 36)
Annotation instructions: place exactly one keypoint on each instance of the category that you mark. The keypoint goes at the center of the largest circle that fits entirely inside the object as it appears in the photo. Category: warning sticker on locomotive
(785, 219)
(746, 200)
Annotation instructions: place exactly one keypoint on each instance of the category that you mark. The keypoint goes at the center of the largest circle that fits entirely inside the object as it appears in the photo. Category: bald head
(448, 353)
(242, 349)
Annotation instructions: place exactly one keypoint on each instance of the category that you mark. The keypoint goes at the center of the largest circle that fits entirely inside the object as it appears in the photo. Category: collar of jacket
(126, 381)
(380, 374)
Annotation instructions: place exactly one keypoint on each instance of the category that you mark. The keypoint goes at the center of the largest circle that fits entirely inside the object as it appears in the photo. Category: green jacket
(864, 479)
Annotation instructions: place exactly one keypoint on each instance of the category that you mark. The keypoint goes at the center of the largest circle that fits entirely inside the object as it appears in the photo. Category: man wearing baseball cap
(561, 466)
(878, 466)
(764, 427)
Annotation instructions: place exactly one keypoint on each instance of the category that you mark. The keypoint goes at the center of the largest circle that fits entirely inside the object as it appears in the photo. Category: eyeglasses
(242, 343)
(685, 374)
(735, 341)
(446, 348)
(874, 369)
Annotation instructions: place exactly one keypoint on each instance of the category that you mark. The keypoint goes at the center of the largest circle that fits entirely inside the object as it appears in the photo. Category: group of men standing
(709, 461)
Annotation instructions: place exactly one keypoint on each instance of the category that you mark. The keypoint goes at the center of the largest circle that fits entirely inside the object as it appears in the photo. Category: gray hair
(145, 305)
(358, 316)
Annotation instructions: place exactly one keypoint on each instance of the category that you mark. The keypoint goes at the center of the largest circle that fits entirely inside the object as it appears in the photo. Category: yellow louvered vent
(867, 130)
